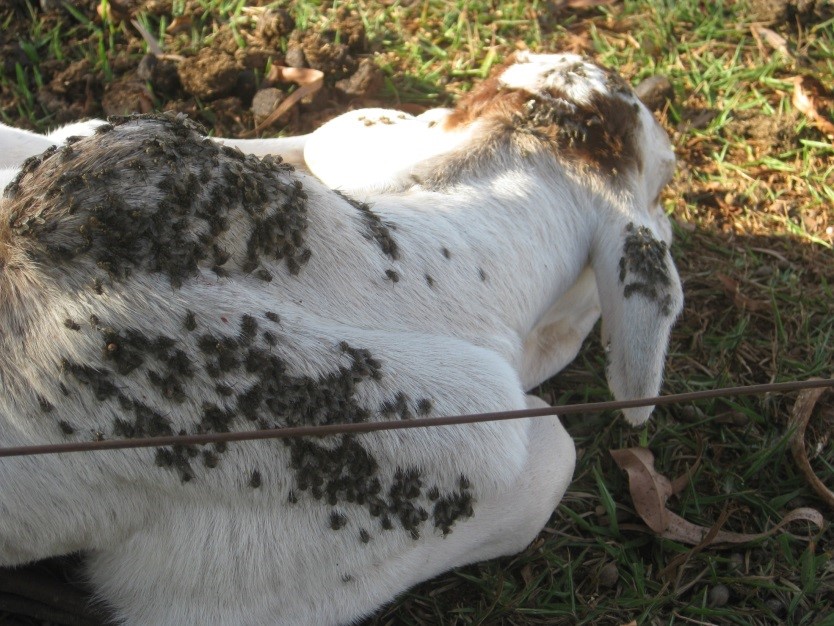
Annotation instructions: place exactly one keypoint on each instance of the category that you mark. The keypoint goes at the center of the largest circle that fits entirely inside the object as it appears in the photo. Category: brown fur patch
(600, 134)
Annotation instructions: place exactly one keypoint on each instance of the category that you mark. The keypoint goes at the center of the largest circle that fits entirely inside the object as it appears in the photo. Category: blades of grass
(607, 502)
(79, 16)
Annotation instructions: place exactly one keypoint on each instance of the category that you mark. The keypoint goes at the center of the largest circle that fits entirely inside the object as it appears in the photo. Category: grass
(752, 202)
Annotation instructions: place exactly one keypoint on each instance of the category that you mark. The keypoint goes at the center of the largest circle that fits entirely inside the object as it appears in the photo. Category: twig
(802, 410)
(427, 422)
(153, 44)
(309, 81)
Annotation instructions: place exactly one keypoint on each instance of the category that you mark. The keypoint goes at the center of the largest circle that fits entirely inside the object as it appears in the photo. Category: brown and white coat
(153, 282)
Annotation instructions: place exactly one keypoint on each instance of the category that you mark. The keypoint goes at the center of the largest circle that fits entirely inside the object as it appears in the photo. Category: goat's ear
(17, 145)
(640, 297)
(290, 149)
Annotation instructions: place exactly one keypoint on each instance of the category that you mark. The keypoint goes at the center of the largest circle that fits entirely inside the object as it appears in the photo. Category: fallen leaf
(771, 38)
(179, 24)
(650, 490)
(674, 566)
(686, 532)
(802, 410)
(733, 290)
(309, 81)
(527, 574)
(577, 42)
(809, 97)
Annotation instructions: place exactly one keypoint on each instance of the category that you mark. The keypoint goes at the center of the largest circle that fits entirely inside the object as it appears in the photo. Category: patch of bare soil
(767, 134)
(216, 84)
(792, 12)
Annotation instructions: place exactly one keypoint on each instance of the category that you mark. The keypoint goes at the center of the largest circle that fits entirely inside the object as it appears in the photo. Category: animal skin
(154, 283)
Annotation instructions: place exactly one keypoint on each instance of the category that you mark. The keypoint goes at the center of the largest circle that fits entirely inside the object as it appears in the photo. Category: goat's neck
(526, 233)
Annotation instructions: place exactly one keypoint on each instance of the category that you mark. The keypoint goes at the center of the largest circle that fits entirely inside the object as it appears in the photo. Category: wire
(367, 427)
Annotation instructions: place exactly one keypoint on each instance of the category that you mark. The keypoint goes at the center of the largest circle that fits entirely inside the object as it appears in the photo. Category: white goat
(154, 283)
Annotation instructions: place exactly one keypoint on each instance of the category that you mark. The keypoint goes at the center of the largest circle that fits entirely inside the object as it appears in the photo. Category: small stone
(718, 596)
(266, 101)
(737, 562)
(295, 58)
(775, 606)
(655, 92)
(690, 414)
(364, 83)
(609, 575)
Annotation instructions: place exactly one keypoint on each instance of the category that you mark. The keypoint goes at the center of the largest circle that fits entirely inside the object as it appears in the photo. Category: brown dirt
(210, 75)
(767, 134)
(792, 12)
(216, 84)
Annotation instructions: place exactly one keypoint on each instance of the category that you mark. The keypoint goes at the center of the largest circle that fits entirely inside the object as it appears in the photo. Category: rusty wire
(366, 427)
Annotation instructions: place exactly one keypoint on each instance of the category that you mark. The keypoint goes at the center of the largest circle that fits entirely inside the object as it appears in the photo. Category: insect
(71, 324)
(190, 323)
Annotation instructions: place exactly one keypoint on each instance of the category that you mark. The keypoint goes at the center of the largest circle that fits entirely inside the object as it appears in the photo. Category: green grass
(750, 204)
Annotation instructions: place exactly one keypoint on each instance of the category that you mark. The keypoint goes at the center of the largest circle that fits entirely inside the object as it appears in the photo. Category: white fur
(361, 156)
(569, 73)
(530, 241)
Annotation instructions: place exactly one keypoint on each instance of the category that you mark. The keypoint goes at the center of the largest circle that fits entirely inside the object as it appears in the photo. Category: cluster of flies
(76, 208)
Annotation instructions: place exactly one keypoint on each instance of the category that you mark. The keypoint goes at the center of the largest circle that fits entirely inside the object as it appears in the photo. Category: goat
(153, 282)
(370, 151)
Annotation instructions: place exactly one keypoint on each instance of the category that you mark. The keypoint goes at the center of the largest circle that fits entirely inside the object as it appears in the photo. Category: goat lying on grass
(154, 283)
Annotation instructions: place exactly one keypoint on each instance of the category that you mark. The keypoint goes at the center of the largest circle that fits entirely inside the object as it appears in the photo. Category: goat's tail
(640, 296)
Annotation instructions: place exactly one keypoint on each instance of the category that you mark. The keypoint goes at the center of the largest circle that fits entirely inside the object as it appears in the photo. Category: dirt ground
(216, 86)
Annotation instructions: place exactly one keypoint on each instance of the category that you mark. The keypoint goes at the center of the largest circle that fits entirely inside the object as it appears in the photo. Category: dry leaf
(309, 81)
(686, 532)
(810, 97)
(577, 42)
(733, 290)
(802, 410)
(771, 38)
(650, 491)
(527, 574)
(179, 24)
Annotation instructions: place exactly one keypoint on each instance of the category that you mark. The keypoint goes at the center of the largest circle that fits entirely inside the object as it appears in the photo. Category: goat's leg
(218, 561)
(52, 505)
(556, 339)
